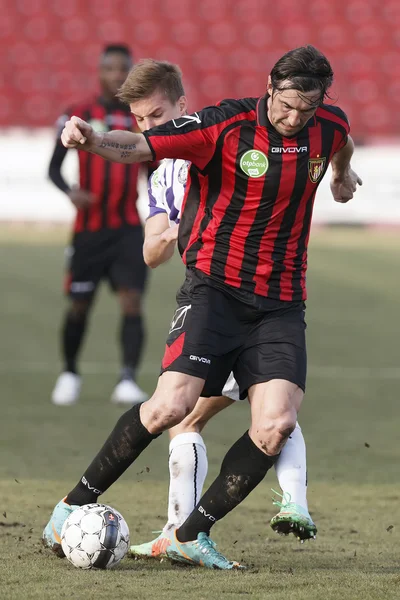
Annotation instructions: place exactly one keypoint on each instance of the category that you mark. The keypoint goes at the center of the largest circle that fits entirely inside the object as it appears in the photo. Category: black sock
(126, 442)
(242, 469)
(132, 338)
(72, 335)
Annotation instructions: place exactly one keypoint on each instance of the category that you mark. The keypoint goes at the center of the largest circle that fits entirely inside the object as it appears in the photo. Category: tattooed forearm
(117, 146)
(125, 150)
(121, 146)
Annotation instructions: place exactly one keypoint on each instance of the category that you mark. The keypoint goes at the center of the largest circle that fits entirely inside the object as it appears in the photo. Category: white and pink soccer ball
(95, 536)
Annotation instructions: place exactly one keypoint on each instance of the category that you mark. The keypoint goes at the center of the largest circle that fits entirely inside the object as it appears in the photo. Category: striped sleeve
(194, 137)
(339, 121)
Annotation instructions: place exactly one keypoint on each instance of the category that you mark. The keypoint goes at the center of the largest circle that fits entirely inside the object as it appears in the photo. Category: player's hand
(170, 234)
(81, 198)
(344, 186)
(77, 133)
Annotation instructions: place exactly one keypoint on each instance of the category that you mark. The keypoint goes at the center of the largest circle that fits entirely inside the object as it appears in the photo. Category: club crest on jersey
(183, 172)
(254, 163)
(315, 168)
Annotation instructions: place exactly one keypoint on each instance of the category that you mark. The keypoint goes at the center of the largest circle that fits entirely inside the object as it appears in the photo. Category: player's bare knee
(157, 416)
(271, 436)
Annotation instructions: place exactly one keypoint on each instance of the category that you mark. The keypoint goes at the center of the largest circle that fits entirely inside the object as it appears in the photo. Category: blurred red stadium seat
(50, 50)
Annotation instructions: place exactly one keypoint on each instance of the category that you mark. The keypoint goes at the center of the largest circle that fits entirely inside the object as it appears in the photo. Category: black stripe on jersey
(125, 193)
(189, 213)
(289, 219)
(105, 193)
(231, 217)
(327, 138)
(264, 210)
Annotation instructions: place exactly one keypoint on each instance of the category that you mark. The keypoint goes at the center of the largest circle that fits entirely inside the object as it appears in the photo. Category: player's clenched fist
(76, 132)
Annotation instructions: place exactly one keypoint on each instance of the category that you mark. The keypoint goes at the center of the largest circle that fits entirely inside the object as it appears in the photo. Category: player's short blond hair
(149, 76)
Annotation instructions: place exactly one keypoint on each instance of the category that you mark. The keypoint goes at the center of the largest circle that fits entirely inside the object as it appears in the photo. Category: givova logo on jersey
(254, 163)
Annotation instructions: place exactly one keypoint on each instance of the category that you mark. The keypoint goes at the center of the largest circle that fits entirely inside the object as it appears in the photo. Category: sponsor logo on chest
(254, 163)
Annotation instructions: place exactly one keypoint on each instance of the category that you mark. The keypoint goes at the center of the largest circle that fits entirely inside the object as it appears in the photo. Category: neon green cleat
(154, 549)
(200, 552)
(51, 536)
(293, 518)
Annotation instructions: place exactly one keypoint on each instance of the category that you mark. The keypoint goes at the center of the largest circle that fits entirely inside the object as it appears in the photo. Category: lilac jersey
(167, 189)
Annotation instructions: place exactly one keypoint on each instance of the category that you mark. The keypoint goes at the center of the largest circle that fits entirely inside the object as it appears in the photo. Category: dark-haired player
(256, 164)
(107, 238)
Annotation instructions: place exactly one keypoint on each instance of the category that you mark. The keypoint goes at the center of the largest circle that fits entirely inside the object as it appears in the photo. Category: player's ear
(182, 105)
(269, 85)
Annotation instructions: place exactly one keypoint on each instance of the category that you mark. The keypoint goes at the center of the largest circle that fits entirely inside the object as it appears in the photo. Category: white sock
(291, 468)
(188, 469)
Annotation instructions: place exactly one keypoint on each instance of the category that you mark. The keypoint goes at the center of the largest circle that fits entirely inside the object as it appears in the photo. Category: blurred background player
(107, 237)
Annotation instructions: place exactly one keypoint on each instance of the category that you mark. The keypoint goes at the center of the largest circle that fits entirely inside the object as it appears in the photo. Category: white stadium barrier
(27, 195)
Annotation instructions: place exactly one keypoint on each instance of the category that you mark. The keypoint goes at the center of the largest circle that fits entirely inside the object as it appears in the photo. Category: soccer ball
(95, 536)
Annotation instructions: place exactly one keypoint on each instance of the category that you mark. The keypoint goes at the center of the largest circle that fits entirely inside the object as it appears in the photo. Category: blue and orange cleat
(200, 552)
(51, 536)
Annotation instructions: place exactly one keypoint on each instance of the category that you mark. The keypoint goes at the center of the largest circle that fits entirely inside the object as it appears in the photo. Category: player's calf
(173, 400)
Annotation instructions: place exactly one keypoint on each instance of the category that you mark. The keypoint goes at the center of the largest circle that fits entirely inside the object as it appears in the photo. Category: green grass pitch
(350, 419)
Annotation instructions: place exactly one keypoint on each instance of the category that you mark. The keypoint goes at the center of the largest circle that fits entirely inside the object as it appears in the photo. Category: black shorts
(213, 333)
(115, 255)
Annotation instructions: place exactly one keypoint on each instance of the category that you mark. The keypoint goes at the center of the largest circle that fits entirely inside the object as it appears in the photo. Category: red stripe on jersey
(286, 185)
(199, 214)
(330, 116)
(198, 146)
(246, 219)
(292, 245)
(131, 211)
(173, 351)
(229, 153)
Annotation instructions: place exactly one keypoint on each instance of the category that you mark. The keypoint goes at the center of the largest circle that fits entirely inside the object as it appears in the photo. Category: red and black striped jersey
(114, 185)
(250, 193)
